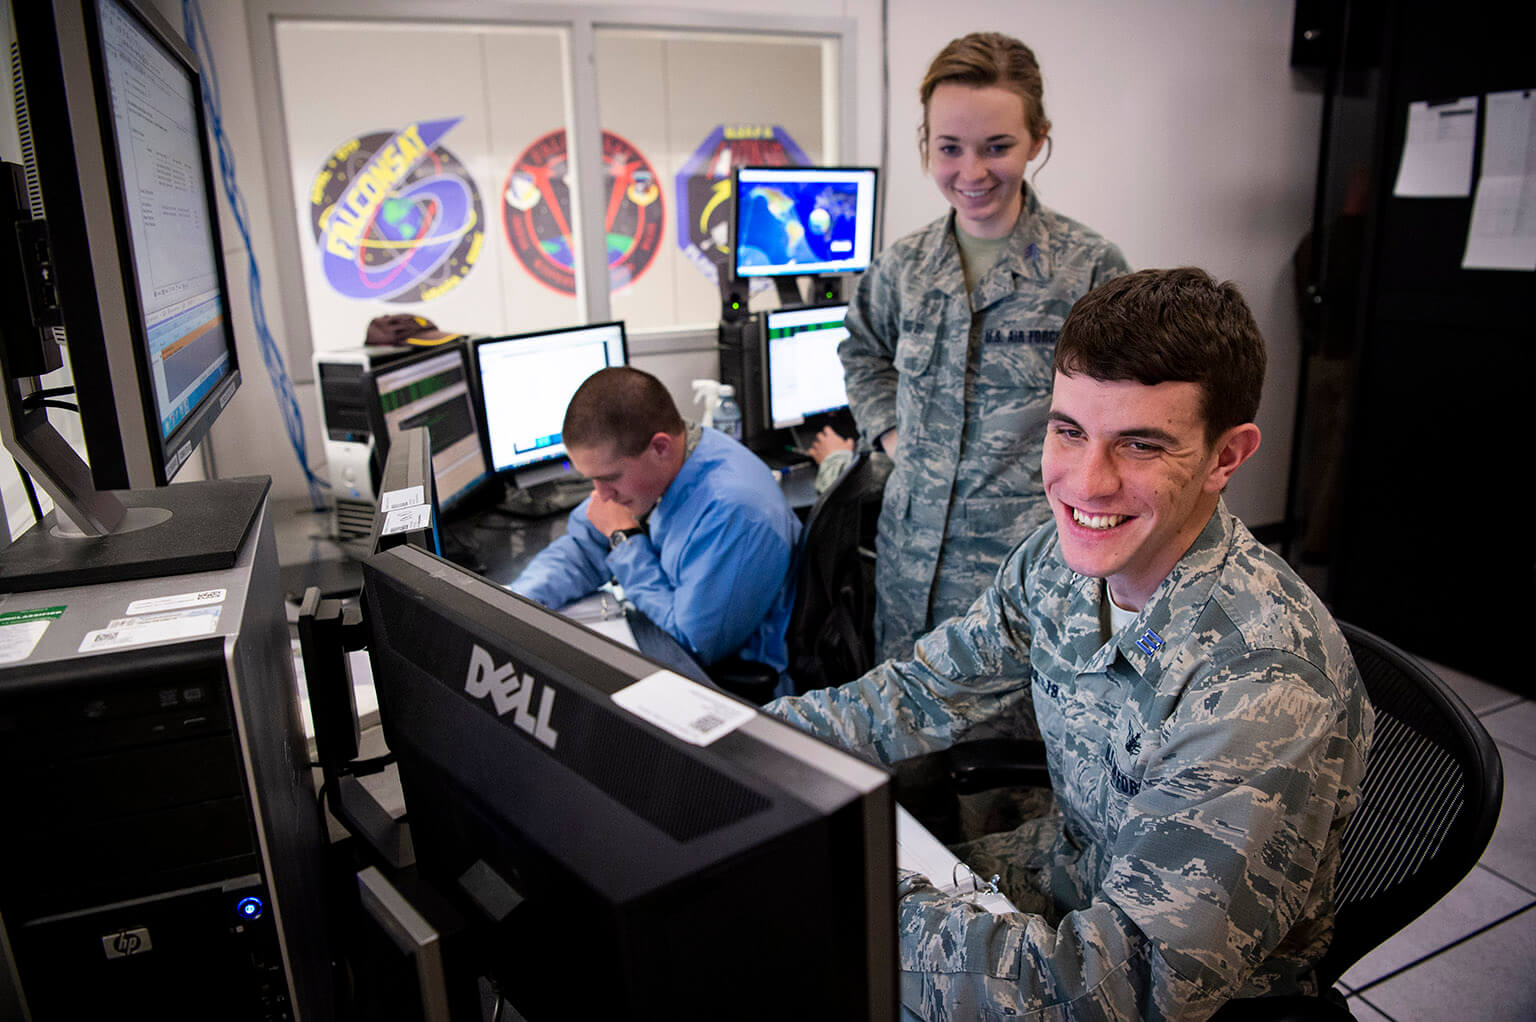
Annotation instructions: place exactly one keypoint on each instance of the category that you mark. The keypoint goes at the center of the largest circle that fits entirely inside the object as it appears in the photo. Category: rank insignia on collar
(1150, 642)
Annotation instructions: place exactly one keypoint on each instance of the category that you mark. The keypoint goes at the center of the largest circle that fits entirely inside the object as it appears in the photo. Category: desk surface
(490, 542)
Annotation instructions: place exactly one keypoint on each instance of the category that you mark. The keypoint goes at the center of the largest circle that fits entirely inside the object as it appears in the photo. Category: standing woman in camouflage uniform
(951, 335)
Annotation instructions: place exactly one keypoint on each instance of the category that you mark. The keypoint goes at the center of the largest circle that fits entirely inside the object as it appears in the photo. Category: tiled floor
(1473, 955)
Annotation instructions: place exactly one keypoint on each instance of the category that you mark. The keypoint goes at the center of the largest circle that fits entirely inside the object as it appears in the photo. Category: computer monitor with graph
(804, 374)
(433, 390)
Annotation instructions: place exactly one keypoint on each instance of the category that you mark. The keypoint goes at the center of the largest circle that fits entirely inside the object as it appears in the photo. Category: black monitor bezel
(408, 464)
(113, 432)
(735, 219)
(767, 356)
(380, 427)
(478, 377)
(539, 852)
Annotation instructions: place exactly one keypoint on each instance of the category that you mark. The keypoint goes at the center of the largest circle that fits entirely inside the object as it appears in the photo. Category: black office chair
(1431, 796)
(1429, 802)
(831, 625)
(831, 628)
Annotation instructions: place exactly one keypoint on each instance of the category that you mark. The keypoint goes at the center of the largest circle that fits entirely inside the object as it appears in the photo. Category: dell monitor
(127, 259)
(631, 843)
(804, 375)
(803, 221)
(526, 381)
(433, 389)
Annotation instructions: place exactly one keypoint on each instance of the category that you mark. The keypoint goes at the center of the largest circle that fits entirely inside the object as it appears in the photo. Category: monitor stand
(171, 530)
(789, 292)
(544, 490)
(822, 290)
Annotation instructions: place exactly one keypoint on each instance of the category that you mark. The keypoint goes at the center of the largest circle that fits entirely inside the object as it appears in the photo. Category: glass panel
(440, 191)
(679, 110)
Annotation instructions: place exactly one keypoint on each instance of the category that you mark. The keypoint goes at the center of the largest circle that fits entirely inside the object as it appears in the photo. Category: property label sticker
(683, 708)
(404, 519)
(407, 497)
(160, 604)
(22, 630)
(136, 631)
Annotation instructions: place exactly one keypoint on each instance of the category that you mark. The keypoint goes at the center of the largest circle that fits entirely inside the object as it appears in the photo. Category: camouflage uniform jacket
(1204, 763)
(966, 382)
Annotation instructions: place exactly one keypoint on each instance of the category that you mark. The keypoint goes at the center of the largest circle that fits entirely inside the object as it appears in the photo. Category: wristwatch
(617, 537)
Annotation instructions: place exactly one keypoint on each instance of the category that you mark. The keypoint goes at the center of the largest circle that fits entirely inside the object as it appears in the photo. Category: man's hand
(607, 516)
(827, 441)
(888, 441)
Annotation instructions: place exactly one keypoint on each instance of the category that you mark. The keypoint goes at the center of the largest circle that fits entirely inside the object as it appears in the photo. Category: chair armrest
(1331, 1007)
(747, 679)
(997, 763)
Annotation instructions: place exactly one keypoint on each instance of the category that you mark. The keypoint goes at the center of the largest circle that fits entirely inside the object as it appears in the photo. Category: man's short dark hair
(1160, 326)
(622, 406)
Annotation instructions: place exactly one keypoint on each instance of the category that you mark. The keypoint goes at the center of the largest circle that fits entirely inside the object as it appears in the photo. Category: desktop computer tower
(345, 389)
(741, 366)
(163, 849)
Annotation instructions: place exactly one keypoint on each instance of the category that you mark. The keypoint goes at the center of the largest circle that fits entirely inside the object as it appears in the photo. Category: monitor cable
(282, 384)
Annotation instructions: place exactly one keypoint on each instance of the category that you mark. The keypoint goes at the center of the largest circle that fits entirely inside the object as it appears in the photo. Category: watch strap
(617, 537)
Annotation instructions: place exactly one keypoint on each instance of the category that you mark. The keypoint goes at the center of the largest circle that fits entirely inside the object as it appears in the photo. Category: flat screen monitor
(805, 376)
(407, 508)
(792, 221)
(525, 383)
(119, 167)
(433, 390)
(625, 837)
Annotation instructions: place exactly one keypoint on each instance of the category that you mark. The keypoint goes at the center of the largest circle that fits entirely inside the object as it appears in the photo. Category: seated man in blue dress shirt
(689, 522)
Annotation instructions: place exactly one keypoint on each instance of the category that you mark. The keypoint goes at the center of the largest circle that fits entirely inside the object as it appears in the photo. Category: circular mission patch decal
(536, 211)
(396, 216)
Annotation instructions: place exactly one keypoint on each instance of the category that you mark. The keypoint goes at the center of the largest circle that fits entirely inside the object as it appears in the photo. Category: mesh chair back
(831, 628)
(1430, 798)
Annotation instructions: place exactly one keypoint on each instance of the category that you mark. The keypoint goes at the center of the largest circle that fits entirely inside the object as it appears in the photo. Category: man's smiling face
(1131, 477)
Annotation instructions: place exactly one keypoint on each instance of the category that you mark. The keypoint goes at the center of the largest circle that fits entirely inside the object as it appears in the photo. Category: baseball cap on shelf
(405, 328)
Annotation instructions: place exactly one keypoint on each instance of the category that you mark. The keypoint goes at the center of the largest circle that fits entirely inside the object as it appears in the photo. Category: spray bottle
(707, 392)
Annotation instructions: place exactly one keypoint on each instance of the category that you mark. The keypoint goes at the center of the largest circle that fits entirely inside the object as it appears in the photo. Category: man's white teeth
(1097, 521)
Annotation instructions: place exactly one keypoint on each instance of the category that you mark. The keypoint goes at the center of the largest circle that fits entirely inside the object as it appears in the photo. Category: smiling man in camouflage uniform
(1205, 726)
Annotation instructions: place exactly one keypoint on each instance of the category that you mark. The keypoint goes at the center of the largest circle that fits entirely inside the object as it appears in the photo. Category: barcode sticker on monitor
(408, 496)
(405, 519)
(683, 708)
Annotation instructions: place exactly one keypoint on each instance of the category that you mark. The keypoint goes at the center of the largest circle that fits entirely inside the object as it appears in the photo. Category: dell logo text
(511, 691)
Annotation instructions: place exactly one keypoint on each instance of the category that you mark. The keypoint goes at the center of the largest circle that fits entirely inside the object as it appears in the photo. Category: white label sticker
(404, 519)
(160, 604)
(683, 708)
(407, 497)
(136, 631)
(21, 631)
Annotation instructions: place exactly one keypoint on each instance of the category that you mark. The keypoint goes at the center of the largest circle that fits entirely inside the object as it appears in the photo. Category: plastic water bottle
(727, 413)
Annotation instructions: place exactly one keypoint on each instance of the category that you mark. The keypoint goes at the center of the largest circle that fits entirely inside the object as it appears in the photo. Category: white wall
(1177, 133)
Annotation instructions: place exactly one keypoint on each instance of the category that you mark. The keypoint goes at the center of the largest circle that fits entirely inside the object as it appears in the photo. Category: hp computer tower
(163, 844)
